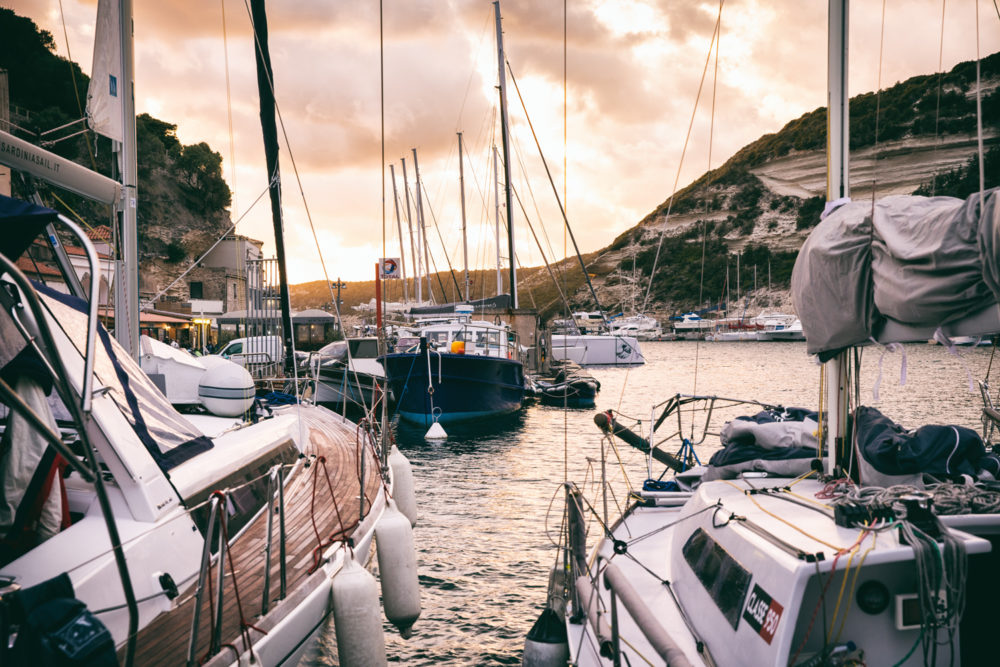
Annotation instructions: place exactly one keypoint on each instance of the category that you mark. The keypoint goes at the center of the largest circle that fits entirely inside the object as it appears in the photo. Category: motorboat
(640, 327)
(691, 326)
(605, 349)
(348, 371)
(791, 332)
(456, 370)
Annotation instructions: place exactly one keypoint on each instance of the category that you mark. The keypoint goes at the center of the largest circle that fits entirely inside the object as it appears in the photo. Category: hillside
(763, 201)
(184, 199)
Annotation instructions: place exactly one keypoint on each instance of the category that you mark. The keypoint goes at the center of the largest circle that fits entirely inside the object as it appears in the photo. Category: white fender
(403, 491)
(397, 566)
(356, 617)
(546, 644)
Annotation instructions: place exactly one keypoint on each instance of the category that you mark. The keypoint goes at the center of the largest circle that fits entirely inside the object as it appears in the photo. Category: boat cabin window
(437, 337)
(364, 348)
(488, 340)
(725, 580)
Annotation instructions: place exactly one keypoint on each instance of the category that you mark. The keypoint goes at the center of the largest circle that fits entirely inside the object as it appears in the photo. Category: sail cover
(906, 263)
(104, 101)
(20, 223)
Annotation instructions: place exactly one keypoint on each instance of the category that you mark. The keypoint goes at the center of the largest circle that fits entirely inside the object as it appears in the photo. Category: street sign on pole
(390, 268)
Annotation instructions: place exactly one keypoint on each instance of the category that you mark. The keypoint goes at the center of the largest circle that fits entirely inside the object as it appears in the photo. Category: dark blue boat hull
(467, 386)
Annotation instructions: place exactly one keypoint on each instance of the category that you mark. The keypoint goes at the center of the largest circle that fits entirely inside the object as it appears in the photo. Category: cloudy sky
(632, 69)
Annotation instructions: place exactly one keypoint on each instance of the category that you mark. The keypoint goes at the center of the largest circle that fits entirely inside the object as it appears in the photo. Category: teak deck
(165, 641)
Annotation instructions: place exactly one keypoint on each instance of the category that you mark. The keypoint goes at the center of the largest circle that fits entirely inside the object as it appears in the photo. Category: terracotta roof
(76, 250)
(100, 233)
(35, 269)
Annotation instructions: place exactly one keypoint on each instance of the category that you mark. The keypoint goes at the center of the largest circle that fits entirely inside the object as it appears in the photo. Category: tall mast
(465, 240)
(265, 90)
(413, 249)
(399, 228)
(837, 187)
(496, 203)
(423, 227)
(127, 294)
(504, 133)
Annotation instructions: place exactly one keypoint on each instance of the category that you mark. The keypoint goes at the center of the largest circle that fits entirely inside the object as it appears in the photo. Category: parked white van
(261, 355)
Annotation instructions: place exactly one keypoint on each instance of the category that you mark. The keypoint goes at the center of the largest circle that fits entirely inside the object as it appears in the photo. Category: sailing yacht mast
(837, 188)
(465, 240)
(422, 228)
(505, 136)
(413, 248)
(496, 203)
(265, 87)
(399, 228)
(127, 282)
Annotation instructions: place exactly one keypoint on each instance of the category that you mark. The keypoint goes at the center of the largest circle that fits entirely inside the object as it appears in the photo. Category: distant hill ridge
(760, 203)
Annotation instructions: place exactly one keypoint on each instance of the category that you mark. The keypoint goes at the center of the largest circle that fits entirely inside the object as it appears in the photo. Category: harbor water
(490, 495)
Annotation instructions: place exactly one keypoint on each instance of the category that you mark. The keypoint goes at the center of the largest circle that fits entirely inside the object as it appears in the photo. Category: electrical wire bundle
(942, 571)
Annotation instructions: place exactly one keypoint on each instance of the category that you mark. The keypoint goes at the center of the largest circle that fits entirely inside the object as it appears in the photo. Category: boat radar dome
(226, 389)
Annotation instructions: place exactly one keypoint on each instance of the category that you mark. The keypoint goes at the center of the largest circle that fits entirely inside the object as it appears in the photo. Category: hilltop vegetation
(183, 197)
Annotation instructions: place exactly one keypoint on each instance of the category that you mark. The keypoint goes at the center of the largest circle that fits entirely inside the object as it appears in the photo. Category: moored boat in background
(456, 371)
(347, 371)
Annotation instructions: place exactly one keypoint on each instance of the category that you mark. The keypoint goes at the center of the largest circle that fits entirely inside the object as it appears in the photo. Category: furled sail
(104, 102)
(900, 269)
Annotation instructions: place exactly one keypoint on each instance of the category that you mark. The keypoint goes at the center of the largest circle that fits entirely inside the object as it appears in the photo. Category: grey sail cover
(918, 262)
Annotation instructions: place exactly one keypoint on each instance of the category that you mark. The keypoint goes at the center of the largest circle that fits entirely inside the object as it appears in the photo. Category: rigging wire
(229, 107)
(437, 228)
(196, 262)
(555, 191)
(687, 138)
(878, 107)
(937, 107)
(305, 202)
(979, 114)
(704, 226)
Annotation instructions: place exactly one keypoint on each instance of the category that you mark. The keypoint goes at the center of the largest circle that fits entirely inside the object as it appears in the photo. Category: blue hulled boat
(456, 371)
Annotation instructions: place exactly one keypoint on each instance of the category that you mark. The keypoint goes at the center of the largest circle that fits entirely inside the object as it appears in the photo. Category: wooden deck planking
(165, 640)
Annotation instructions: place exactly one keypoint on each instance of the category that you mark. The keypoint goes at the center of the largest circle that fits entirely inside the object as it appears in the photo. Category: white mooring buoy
(435, 432)
(356, 617)
(397, 568)
(546, 644)
(403, 491)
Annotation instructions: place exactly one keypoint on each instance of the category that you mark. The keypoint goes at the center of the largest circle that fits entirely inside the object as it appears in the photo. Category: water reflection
(484, 551)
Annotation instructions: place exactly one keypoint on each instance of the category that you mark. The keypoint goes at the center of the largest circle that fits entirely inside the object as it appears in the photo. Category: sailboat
(808, 539)
(135, 534)
(460, 368)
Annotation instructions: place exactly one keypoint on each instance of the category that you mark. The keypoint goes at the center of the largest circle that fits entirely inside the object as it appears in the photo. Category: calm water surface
(484, 550)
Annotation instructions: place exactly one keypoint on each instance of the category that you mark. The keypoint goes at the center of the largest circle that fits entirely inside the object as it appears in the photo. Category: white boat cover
(906, 260)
